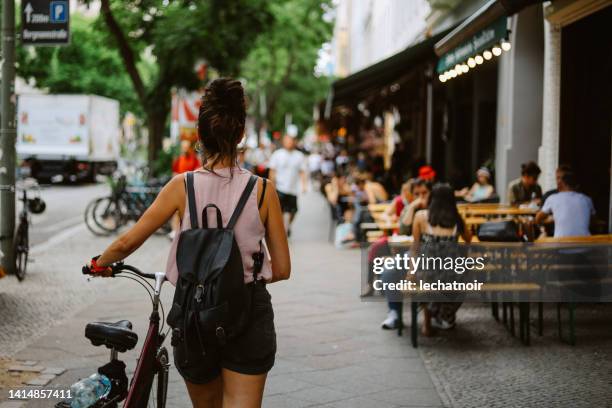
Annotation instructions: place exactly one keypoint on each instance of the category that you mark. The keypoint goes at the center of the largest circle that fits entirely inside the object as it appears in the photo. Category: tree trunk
(156, 124)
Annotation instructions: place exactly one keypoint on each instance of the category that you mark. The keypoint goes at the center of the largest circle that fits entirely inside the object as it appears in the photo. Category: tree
(280, 68)
(178, 35)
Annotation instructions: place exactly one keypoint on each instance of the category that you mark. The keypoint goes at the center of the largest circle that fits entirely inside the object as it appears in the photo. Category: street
(65, 208)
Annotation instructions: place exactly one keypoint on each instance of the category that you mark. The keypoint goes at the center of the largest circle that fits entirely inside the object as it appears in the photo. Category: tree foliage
(179, 34)
(83, 66)
(281, 65)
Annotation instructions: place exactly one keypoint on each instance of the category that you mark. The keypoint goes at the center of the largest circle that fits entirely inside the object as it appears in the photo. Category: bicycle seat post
(114, 354)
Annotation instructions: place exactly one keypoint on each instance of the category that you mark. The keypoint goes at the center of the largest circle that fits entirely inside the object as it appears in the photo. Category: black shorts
(288, 202)
(253, 352)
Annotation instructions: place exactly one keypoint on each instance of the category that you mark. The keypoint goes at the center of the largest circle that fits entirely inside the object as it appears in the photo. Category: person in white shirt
(287, 168)
(571, 210)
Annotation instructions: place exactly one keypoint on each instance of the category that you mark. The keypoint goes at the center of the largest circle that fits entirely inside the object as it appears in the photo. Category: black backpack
(211, 302)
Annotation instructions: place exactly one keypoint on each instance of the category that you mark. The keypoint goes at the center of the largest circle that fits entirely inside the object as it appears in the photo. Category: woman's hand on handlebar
(93, 269)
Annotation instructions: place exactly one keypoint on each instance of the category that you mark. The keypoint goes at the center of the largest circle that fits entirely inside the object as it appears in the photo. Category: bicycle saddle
(118, 336)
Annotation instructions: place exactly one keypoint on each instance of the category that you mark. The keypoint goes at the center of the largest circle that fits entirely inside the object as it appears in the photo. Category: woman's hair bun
(225, 94)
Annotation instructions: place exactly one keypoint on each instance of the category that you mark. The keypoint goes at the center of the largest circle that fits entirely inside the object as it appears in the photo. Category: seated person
(375, 191)
(439, 223)
(421, 191)
(549, 226)
(526, 190)
(572, 211)
(338, 194)
(480, 190)
(402, 200)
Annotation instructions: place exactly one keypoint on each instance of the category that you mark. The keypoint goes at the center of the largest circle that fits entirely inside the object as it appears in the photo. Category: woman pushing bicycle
(223, 353)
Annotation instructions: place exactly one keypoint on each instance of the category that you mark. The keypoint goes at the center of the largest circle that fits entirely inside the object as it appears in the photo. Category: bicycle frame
(148, 363)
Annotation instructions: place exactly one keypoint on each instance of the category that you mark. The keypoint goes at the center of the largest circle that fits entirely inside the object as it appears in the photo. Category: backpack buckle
(220, 333)
(198, 293)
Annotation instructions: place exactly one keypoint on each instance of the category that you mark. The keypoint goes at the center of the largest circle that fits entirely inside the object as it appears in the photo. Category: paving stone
(54, 370)
(41, 380)
(26, 368)
(13, 404)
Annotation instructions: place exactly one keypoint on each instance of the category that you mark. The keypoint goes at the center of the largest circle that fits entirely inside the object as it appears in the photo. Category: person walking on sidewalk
(235, 374)
(287, 170)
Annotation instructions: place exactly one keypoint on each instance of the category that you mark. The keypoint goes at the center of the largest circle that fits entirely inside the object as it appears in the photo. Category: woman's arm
(170, 200)
(416, 231)
(332, 193)
(276, 237)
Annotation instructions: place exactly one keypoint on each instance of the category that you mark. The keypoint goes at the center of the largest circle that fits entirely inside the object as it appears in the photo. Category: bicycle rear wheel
(90, 221)
(22, 250)
(108, 214)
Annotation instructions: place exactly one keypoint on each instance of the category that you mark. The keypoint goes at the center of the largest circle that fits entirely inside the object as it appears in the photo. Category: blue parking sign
(58, 12)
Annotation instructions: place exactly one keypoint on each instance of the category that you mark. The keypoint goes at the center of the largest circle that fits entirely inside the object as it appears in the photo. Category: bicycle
(106, 215)
(21, 242)
(153, 361)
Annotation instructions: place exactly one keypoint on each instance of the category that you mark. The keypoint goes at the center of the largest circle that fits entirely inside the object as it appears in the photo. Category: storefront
(490, 77)
(384, 109)
(578, 98)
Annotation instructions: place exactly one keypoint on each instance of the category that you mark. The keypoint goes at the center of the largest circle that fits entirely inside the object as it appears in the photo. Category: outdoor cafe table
(381, 207)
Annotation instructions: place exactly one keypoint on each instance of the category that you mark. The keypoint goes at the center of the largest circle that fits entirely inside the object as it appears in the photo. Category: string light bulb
(497, 51)
(471, 62)
(487, 55)
(479, 60)
(464, 68)
(442, 78)
(505, 45)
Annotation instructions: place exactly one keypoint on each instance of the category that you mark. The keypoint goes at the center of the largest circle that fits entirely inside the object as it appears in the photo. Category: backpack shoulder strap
(242, 202)
(193, 212)
(263, 192)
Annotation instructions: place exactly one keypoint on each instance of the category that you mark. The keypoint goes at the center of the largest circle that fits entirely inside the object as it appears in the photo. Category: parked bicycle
(149, 384)
(21, 242)
(107, 215)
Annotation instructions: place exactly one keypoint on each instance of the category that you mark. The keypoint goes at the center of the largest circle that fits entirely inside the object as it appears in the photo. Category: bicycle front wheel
(22, 250)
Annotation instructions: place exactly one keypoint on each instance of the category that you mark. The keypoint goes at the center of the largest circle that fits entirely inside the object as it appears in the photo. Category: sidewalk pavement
(331, 351)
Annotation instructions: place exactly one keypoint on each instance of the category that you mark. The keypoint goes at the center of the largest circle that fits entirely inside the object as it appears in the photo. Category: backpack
(211, 302)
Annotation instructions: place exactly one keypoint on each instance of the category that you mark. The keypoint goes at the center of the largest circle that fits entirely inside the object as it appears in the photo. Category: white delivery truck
(68, 137)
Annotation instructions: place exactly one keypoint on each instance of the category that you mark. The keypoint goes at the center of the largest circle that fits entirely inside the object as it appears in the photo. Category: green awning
(479, 42)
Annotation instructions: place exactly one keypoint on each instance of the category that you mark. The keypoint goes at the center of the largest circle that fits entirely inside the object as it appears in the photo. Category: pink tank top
(224, 192)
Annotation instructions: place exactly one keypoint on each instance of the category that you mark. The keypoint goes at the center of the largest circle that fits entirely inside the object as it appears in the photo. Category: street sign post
(45, 22)
(8, 125)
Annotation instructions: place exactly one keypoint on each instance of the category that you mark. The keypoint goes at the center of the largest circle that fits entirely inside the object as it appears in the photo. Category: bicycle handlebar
(120, 267)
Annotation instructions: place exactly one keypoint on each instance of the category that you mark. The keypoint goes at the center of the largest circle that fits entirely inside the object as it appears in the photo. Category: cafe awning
(383, 73)
(488, 42)
(479, 38)
(484, 17)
